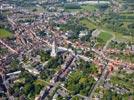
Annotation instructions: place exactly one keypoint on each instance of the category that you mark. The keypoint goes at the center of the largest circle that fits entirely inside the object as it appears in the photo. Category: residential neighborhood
(66, 50)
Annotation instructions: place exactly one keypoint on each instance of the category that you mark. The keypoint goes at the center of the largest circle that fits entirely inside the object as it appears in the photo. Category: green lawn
(87, 24)
(105, 36)
(4, 33)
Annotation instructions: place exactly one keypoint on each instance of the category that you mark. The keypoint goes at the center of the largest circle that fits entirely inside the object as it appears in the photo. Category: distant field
(89, 7)
(127, 14)
(4, 33)
(122, 37)
(39, 9)
(87, 24)
(105, 36)
(73, 10)
(118, 36)
(84, 8)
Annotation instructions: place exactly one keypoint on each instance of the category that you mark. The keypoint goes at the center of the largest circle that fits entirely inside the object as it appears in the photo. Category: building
(54, 51)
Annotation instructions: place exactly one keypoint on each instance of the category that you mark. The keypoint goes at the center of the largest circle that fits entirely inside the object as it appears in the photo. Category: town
(66, 50)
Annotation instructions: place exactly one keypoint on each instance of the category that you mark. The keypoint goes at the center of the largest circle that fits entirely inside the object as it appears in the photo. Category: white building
(54, 51)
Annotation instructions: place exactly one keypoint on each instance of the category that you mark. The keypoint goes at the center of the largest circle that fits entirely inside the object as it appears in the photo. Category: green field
(4, 33)
(118, 36)
(87, 24)
(122, 37)
(89, 7)
(83, 8)
(73, 10)
(38, 9)
(105, 36)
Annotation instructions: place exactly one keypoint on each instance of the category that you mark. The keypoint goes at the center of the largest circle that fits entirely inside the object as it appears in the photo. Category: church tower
(54, 51)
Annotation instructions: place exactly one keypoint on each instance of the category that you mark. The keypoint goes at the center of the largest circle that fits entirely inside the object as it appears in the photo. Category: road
(97, 83)
(104, 70)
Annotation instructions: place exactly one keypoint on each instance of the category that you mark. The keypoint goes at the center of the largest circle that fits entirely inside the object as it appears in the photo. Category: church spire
(54, 52)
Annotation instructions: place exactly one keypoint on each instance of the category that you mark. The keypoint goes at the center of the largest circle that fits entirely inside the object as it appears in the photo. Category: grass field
(87, 24)
(83, 8)
(89, 7)
(39, 9)
(122, 37)
(118, 36)
(105, 36)
(4, 33)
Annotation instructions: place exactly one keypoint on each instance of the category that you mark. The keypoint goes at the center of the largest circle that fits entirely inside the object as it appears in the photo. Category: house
(83, 33)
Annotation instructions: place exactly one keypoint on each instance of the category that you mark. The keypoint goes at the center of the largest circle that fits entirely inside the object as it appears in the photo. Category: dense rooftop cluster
(66, 50)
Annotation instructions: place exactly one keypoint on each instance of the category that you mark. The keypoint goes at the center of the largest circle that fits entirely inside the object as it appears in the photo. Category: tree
(44, 56)
(75, 98)
(27, 88)
(34, 10)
